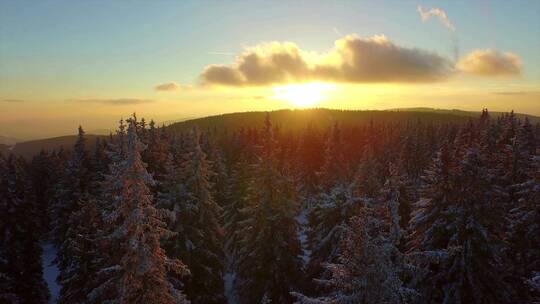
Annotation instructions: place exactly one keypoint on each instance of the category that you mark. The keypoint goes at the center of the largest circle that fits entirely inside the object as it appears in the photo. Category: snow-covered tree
(334, 170)
(156, 154)
(328, 219)
(269, 263)
(219, 178)
(524, 218)
(369, 268)
(236, 202)
(459, 215)
(77, 259)
(138, 266)
(195, 219)
(73, 185)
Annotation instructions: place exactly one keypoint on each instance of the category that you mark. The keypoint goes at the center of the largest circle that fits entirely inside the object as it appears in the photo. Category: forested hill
(294, 120)
(30, 148)
(286, 120)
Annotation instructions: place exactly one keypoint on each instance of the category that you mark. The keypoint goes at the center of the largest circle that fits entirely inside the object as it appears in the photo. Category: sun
(303, 95)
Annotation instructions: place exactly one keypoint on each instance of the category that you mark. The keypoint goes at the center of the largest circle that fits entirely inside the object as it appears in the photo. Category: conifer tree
(195, 215)
(524, 218)
(458, 217)
(73, 186)
(369, 269)
(20, 253)
(133, 267)
(328, 221)
(269, 264)
(236, 202)
(333, 170)
(77, 259)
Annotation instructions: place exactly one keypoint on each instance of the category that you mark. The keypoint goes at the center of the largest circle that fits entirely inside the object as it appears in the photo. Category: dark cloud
(353, 59)
(117, 101)
(490, 62)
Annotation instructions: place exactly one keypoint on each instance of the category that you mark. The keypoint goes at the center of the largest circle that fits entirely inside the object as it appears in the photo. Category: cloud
(221, 53)
(12, 100)
(169, 86)
(436, 12)
(117, 101)
(353, 59)
(490, 62)
(514, 93)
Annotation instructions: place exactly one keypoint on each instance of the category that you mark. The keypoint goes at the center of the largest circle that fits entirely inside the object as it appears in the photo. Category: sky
(65, 63)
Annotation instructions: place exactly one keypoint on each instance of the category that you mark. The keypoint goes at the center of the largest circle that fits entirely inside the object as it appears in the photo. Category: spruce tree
(20, 252)
(133, 267)
(195, 215)
(370, 267)
(72, 187)
(269, 264)
(459, 217)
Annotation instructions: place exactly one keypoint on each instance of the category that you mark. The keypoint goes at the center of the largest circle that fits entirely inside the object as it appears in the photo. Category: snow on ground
(302, 221)
(50, 271)
(230, 293)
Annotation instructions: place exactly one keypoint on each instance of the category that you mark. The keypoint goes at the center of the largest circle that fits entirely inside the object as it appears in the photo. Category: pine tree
(216, 160)
(72, 187)
(458, 217)
(196, 221)
(524, 217)
(133, 267)
(333, 170)
(20, 252)
(367, 180)
(370, 267)
(156, 155)
(328, 221)
(79, 253)
(44, 175)
(269, 264)
(236, 202)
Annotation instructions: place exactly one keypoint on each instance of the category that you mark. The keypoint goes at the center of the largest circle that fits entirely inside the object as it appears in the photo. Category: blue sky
(51, 51)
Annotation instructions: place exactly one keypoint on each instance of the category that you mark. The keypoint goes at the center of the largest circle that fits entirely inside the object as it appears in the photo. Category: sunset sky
(65, 63)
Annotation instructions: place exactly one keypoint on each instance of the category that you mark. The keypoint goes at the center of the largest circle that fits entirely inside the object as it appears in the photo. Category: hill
(294, 120)
(287, 120)
(4, 149)
(28, 149)
(8, 141)
(520, 116)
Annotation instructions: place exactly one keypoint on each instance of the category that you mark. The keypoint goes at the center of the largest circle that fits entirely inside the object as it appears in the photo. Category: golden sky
(65, 63)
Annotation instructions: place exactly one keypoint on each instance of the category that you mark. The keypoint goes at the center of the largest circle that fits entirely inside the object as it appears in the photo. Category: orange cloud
(490, 62)
(116, 101)
(353, 59)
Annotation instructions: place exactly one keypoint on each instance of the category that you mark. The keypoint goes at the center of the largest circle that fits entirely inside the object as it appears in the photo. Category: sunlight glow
(303, 95)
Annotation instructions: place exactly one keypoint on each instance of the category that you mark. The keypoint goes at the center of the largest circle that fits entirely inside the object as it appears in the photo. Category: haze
(65, 63)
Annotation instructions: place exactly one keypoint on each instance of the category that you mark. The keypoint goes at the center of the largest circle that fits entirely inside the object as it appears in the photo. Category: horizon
(70, 63)
(11, 141)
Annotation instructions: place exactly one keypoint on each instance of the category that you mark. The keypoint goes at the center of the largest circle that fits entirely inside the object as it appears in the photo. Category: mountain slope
(287, 120)
(28, 149)
(294, 120)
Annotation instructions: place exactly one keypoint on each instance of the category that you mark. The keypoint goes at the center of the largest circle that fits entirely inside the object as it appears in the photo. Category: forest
(386, 212)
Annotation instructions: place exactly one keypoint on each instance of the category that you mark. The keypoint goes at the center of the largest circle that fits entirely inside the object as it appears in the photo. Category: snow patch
(303, 226)
(230, 293)
(50, 270)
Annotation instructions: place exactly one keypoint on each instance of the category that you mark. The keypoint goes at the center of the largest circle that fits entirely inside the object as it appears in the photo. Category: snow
(302, 221)
(50, 271)
(230, 293)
